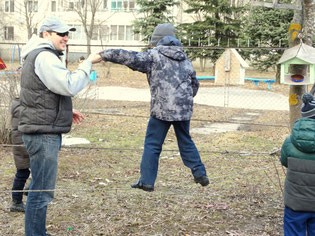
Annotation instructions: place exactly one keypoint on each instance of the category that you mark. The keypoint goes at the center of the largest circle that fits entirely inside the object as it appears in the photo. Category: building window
(9, 33)
(32, 6)
(9, 6)
(95, 32)
(123, 5)
(132, 5)
(78, 34)
(122, 32)
(113, 32)
(71, 6)
(104, 4)
(53, 6)
(116, 5)
(129, 32)
(104, 33)
(136, 37)
(129, 5)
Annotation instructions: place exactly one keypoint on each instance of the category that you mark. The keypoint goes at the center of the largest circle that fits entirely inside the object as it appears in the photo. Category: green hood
(303, 135)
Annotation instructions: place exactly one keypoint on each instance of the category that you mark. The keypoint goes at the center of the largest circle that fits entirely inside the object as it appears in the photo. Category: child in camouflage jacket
(173, 84)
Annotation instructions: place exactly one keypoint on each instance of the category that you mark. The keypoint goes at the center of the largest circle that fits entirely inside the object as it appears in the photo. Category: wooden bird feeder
(299, 59)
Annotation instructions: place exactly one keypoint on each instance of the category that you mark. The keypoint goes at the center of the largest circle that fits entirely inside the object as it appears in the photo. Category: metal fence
(259, 94)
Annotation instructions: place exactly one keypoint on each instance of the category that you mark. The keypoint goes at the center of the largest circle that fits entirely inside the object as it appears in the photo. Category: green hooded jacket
(298, 155)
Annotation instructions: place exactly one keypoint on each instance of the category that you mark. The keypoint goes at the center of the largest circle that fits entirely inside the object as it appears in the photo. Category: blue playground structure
(255, 81)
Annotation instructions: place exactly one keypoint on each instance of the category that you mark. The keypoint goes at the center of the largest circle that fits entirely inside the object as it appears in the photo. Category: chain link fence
(259, 100)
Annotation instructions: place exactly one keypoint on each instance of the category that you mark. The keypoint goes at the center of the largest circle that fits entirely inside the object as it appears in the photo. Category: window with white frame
(129, 5)
(122, 32)
(9, 33)
(75, 4)
(95, 32)
(32, 6)
(78, 34)
(136, 37)
(71, 6)
(104, 33)
(53, 6)
(122, 5)
(113, 32)
(116, 4)
(104, 4)
(9, 6)
(129, 32)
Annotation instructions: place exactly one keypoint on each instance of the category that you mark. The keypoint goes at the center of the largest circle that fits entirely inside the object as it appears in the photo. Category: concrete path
(223, 97)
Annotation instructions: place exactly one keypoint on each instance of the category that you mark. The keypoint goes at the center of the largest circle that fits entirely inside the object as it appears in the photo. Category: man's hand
(77, 117)
(94, 58)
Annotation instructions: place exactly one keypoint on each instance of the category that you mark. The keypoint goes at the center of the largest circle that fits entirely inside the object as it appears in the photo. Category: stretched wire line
(243, 153)
(200, 120)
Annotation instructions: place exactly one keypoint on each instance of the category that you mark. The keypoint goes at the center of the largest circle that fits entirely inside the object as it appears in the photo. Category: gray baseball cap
(52, 23)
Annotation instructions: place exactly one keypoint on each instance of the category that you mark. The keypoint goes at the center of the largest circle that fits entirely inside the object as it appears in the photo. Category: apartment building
(21, 18)
(112, 27)
(113, 21)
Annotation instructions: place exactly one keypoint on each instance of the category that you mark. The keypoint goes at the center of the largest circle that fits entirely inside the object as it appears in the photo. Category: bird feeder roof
(302, 51)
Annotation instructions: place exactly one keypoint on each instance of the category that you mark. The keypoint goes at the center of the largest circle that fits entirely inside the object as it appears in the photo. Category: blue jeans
(298, 223)
(43, 150)
(154, 139)
(19, 181)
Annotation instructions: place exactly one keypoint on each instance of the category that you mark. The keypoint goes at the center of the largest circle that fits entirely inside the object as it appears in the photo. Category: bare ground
(94, 197)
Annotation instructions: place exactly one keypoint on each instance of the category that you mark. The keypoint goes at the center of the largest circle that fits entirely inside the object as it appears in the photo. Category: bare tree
(33, 12)
(23, 13)
(86, 10)
(29, 9)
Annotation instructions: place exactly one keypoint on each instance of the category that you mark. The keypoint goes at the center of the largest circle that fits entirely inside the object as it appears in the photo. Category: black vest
(42, 110)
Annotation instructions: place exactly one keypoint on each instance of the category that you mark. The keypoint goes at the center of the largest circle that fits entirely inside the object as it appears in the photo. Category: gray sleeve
(57, 78)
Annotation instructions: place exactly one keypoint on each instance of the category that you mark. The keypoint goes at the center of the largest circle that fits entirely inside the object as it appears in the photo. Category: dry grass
(93, 190)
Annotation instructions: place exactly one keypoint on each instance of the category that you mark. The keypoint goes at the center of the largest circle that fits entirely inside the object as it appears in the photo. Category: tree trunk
(88, 42)
(296, 91)
(308, 30)
(202, 64)
(309, 27)
(278, 69)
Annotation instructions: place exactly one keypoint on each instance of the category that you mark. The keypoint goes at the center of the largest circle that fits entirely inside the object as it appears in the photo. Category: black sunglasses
(62, 34)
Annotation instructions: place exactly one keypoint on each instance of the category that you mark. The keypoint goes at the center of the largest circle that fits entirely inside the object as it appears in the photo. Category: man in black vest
(46, 90)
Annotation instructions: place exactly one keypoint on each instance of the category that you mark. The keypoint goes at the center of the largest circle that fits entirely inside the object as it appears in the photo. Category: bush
(9, 89)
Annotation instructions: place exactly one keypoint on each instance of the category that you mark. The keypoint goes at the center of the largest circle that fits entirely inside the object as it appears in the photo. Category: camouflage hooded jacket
(170, 74)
